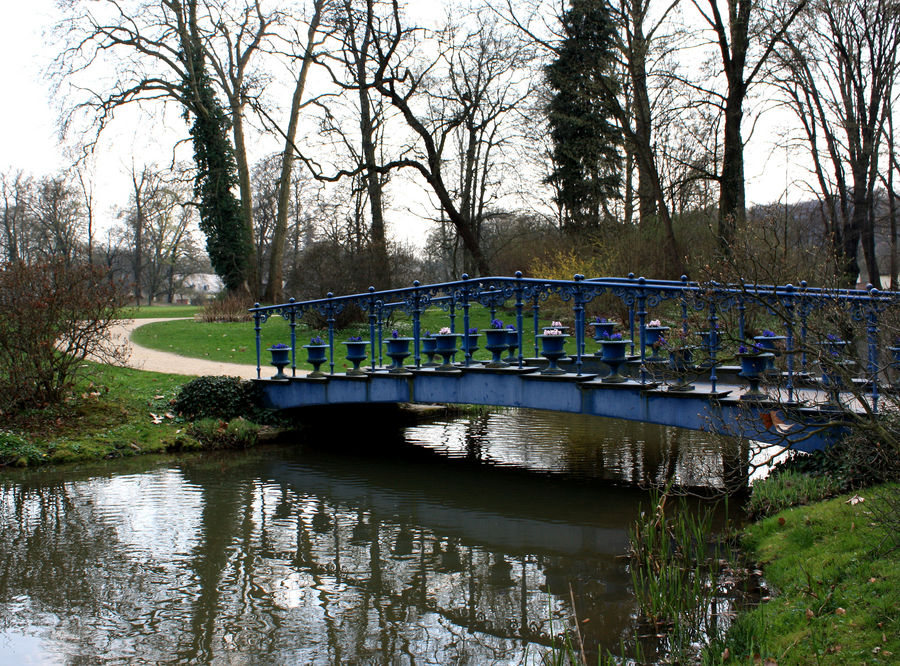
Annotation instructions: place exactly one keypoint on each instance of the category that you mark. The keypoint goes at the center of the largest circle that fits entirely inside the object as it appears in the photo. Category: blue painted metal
(640, 296)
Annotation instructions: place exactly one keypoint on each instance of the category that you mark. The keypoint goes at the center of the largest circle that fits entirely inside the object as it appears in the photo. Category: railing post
(642, 315)
(372, 320)
(519, 319)
(631, 314)
(465, 302)
(713, 337)
(578, 310)
(742, 318)
(790, 306)
(293, 338)
(536, 313)
(380, 332)
(804, 313)
(257, 327)
(330, 295)
(416, 324)
(684, 307)
(872, 335)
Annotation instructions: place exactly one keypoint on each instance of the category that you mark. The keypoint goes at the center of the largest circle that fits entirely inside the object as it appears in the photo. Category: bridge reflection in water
(444, 544)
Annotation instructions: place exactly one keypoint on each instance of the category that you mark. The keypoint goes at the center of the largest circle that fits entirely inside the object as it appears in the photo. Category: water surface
(470, 540)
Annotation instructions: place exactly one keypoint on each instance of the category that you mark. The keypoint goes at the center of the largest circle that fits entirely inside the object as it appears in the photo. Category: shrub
(55, 316)
(218, 434)
(229, 308)
(16, 450)
(216, 398)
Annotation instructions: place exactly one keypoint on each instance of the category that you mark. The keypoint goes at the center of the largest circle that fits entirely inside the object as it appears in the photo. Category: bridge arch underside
(802, 429)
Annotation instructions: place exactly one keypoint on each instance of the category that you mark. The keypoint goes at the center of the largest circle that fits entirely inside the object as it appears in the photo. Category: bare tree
(837, 71)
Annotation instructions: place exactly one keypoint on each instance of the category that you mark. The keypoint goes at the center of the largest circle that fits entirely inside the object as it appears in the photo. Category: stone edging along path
(143, 358)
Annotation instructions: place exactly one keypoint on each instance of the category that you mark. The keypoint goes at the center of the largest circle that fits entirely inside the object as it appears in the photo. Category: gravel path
(143, 358)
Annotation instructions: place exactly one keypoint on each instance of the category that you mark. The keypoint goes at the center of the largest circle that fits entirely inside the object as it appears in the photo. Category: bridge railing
(802, 313)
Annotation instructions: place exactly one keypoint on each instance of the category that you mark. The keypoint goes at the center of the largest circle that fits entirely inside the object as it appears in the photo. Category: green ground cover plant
(112, 412)
(834, 571)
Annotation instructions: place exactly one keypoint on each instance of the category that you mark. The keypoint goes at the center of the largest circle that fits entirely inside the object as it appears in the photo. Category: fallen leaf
(809, 614)
(159, 397)
(726, 654)
(873, 580)
(840, 611)
(781, 521)
(856, 499)
(770, 662)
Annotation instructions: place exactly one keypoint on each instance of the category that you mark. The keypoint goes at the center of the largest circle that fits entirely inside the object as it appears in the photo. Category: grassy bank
(157, 311)
(235, 342)
(112, 413)
(834, 572)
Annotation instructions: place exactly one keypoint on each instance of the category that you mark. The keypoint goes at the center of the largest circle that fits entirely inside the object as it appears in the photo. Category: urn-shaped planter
(681, 361)
(612, 353)
(496, 342)
(429, 348)
(770, 344)
(512, 342)
(603, 329)
(397, 349)
(752, 368)
(356, 354)
(446, 345)
(652, 337)
(472, 341)
(281, 358)
(553, 349)
(315, 355)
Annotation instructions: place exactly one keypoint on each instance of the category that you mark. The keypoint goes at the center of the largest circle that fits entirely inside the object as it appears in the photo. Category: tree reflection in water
(304, 555)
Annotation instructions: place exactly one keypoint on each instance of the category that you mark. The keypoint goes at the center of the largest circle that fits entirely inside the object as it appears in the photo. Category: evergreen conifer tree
(585, 140)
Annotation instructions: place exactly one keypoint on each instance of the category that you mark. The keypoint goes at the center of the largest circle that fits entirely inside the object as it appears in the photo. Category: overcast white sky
(29, 138)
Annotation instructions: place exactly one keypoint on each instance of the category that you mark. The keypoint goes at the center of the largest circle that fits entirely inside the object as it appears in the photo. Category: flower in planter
(615, 336)
(601, 320)
(354, 338)
(655, 322)
(496, 323)
(445, 331)
(395, 333)
(556, 323)
(511, 328)
(768, 334)
(428, 334)
(473, 331)
(552, 331)
(316, 340)
(279, 345)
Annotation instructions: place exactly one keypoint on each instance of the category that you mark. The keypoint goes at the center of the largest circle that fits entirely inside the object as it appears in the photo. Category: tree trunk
(274, 290)
(732, 213)
(243, 169)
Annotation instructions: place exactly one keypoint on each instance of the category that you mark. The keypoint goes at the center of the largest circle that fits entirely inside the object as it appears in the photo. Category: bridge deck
(725, 410)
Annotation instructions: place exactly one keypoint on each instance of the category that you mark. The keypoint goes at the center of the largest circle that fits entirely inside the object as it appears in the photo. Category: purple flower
(496, 323)
(615, 336)
(354, 338)
(473, 331)
(768, 334)
(316, 340)
(395, 333)
(279, 345)
(742, 349)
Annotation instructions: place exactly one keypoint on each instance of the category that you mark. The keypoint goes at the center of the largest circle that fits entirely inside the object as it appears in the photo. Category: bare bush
(231, 307)
(56, 316)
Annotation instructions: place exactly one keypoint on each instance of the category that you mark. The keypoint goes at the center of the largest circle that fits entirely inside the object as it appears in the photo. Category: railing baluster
(642, 315)
(257, 327)
(331, 331)
(578, 309)
(416, 324)
(789, 329)
(465, 304)
(373, 317)
(519, 318)
(872, 334)
(293, 325)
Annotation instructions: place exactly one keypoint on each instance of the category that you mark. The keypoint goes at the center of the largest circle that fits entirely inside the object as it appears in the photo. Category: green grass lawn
(155, 311)
(109, 414)
(235, 342)
(834, 569)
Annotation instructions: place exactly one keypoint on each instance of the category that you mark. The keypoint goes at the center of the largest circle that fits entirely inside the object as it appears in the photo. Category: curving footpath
(143, 358)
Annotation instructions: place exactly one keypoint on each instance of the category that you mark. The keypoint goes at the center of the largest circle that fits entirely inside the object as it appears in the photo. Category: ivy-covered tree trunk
(228, 242)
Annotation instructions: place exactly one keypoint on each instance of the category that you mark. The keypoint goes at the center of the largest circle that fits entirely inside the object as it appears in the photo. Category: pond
(466, 540)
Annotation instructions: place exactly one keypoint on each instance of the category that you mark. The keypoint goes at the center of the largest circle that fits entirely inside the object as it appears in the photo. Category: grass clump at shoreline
(112, 413)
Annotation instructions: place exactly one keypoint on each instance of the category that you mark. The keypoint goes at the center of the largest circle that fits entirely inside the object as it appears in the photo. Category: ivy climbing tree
(228, 241)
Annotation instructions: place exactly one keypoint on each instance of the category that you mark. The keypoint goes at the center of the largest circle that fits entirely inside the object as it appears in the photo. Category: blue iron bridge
(783, 365)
